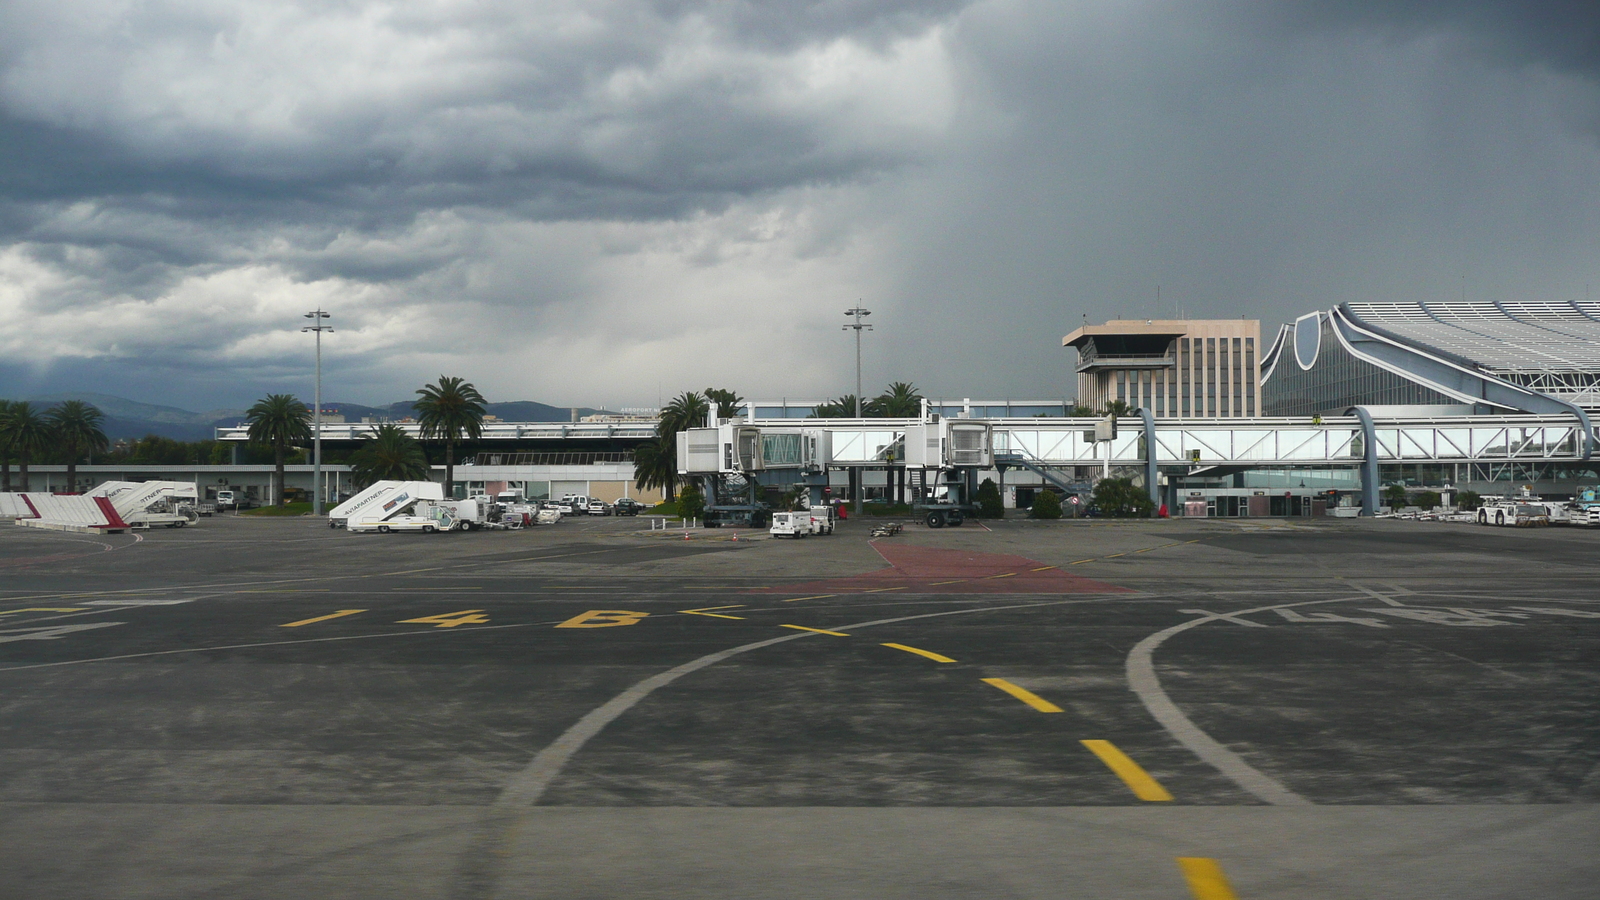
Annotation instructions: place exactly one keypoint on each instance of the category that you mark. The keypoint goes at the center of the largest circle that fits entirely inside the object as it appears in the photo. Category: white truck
(791, 524)
(823, 519)
(383, 500)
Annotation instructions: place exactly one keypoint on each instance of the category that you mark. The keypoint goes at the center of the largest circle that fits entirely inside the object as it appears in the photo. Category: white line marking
(50, 632)
(1143, 681)
(526, 787)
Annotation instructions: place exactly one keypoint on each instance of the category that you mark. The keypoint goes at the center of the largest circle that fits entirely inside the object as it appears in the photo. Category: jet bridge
(1350, 441)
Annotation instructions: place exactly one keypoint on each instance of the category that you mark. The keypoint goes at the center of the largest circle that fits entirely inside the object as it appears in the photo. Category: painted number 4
(450, 620)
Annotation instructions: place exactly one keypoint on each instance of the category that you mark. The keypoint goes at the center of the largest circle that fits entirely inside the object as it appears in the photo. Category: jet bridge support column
(1151, 478)
(1369, 462)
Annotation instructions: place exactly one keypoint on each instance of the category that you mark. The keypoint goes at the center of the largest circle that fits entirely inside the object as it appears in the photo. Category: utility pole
(316, 316)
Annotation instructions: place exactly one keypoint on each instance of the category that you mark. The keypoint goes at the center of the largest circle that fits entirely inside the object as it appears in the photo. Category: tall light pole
(858, 326)
(316, 316)
(857, 313)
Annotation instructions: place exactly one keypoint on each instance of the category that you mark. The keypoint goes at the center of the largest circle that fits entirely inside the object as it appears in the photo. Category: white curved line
(527, 786)
(1142, 680)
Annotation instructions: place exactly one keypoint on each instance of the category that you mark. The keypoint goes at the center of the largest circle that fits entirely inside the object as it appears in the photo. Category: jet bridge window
(781, 450)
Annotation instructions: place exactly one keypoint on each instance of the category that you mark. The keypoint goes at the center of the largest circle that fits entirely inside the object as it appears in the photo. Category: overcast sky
(597, 203)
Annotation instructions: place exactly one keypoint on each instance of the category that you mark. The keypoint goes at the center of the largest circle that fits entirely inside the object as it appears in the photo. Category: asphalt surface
(1201, 708)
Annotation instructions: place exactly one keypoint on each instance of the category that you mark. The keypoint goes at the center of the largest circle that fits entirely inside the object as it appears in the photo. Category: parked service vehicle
(206, 508)
(424, 524)
(627, 506)
(791, 524)
(1505, 511)
(822, 520)
(578, 502)
(383, 500)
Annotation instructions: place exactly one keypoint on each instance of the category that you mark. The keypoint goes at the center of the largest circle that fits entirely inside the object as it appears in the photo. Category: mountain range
(132, 419)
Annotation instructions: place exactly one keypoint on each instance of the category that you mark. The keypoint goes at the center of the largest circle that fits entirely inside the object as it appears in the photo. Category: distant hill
(132, 419)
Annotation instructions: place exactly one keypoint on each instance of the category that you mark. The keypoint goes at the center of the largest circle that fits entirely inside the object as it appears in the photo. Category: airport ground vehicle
(822, 519)
(384, 500)
(791, 524)
(1586, 506)
(627, 506)
(1509, 511)
(424, 524)
(235, 500)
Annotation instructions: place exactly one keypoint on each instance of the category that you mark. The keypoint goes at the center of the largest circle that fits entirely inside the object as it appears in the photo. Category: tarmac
(1212, 708)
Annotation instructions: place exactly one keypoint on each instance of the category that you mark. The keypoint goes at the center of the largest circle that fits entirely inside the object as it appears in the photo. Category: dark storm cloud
(514, 190)
(1564, 34)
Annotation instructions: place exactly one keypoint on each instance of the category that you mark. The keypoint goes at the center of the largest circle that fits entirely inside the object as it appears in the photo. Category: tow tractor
(1586, 506)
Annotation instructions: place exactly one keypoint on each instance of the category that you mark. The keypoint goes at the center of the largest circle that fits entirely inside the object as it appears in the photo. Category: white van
(791, 524)
(823, 519)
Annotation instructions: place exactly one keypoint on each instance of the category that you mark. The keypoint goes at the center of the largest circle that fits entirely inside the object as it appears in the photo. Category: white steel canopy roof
(1522, 337)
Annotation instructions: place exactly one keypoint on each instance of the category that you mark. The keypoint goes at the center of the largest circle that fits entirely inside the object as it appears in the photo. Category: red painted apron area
(936, 570)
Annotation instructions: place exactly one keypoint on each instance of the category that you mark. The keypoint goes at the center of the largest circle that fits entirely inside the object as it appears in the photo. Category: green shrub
(1046, 505)
(1468, 500)
(691, 502)
(1394, 496)
(1428, 500)
(1119, 498)
(288, 509)
(989, 504)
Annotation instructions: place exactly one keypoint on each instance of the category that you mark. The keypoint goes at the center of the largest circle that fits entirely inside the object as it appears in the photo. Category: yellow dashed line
(1025, 695)
(881, 590)
(815, 630)
(1136, 778)
(1044, 568)
(1206, 881)
(937, 583)
(817, 597)
(936, 657)
(1006, 575)
(1080, 562)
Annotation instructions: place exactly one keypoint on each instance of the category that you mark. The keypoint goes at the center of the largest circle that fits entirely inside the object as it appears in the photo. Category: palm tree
(279, 420)
(655, 466)
(660, 466)
(450, 410)
(901, 401)
(842, 408)
(391, 455)
(77, 429)
(685, 411)
(1118, 408)
(727, 402)
(26, 432)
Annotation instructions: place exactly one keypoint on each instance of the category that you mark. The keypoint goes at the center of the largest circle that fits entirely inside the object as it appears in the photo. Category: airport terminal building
(1442, 358)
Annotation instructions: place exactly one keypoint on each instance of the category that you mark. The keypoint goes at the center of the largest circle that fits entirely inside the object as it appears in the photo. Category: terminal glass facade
(1337, 381)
